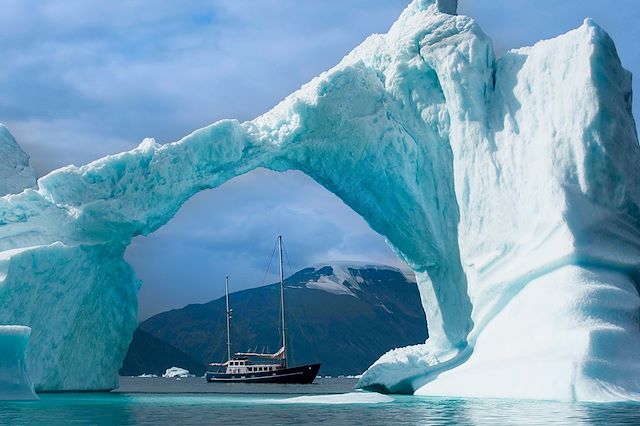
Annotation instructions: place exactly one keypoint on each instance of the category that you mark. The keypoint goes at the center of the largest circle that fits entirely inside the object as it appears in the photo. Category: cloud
(232, 230)
(129, 70)
(81, 79)
(85, 78)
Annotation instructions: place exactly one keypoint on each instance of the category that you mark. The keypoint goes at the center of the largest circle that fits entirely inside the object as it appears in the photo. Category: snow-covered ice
(339, 399)
(509, 185)
(14, 378)
(15, 172)
(174, 372)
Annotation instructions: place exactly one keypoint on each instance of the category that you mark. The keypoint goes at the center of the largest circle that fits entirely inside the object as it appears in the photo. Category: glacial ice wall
(15, 172)
(14, 378)
(510, 186)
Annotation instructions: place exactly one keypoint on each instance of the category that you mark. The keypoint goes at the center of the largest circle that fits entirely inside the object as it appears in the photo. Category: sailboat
(251, 367)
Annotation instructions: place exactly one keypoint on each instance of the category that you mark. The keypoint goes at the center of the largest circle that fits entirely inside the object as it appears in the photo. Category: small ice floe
(176, 372)
(341, 398)
(148, 375)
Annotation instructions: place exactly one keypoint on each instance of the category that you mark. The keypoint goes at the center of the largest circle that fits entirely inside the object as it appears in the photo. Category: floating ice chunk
(14, 379)
(343, 398)
(174, 372)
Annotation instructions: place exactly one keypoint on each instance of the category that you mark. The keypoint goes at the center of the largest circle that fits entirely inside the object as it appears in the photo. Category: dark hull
(303, 374)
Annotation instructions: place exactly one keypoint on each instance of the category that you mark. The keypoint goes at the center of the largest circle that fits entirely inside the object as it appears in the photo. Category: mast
(284, 324)
(226, 293)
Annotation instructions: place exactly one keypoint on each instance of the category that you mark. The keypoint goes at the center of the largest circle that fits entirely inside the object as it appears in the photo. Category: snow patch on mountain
(331, 284)
(345, 276)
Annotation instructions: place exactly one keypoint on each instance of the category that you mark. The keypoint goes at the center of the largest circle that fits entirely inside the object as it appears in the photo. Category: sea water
(192, 401)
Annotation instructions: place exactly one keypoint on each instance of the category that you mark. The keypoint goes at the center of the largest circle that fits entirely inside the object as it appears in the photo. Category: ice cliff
(510, 186)
(14, 379)
(15, 172)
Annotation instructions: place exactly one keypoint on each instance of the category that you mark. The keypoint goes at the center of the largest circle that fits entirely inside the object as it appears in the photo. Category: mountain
(343, 315)
(150, 355)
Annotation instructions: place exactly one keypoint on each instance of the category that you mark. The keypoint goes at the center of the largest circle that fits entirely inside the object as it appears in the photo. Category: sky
(81, 79)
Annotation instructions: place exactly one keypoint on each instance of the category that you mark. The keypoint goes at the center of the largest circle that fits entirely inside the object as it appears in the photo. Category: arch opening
(350, 299)
(229, 231)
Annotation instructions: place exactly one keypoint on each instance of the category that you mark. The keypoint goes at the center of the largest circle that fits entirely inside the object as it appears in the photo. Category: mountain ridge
(345, 315)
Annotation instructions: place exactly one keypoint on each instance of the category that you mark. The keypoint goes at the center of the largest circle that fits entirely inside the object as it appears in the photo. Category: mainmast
(284, 324)
(226, 293)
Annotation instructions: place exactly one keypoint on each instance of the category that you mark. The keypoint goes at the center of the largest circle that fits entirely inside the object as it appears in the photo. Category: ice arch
(509, 186)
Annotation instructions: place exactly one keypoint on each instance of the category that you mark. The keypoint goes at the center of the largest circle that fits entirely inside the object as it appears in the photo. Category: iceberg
(509, 186)
(15, 172)
(14, 379)
(176, 372)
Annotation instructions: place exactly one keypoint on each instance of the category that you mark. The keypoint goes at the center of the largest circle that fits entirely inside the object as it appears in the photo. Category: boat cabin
(244, 366)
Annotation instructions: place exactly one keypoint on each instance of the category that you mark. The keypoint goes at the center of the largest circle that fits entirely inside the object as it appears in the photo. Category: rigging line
(280, 307)
(304, 311)
(286, 256)
(264, 279)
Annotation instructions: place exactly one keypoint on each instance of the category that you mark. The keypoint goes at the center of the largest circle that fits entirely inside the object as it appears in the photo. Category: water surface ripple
(157, 401)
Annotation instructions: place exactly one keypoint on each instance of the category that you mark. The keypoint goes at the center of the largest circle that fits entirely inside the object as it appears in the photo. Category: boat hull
(303, 374)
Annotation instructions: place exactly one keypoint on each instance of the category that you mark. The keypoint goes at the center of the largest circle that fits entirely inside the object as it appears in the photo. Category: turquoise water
(152, 402)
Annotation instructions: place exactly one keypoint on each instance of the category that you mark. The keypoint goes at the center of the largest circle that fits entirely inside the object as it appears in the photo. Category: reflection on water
(274, 405)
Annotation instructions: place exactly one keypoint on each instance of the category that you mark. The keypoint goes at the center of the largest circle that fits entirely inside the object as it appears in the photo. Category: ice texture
(175, 372)
(15, 172)
(510, 186)
(14, 378)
